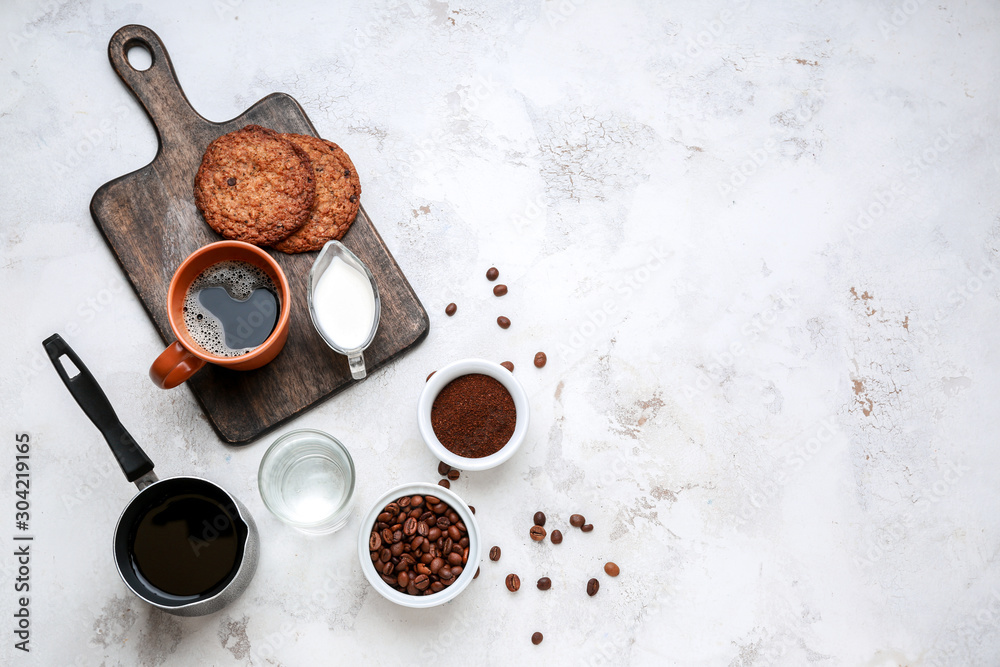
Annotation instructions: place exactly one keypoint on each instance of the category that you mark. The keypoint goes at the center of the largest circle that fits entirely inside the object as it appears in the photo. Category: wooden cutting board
(150, 221)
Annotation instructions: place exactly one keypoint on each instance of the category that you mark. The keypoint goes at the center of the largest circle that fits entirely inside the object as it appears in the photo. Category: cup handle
(175, 365)
(357, 365)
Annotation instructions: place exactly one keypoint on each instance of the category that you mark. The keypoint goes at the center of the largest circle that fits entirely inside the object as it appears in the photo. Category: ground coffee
(473, 416)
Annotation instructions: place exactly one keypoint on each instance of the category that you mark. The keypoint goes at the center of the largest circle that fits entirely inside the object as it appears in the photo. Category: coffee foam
(239, 279)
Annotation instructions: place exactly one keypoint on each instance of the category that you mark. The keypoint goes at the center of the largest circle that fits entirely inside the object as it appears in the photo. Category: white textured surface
(780, 416)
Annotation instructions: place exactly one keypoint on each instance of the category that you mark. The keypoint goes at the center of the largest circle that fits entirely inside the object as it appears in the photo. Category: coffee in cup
(228, 304)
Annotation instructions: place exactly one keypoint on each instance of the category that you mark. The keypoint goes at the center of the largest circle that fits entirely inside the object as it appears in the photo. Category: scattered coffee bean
(508, 365)
(492, 273)
(429, 376)
(539, 518)
(577, 520)
(453, 474)
(556, 537)
(231, 182)
(544, 584)
(612, 569)
(592, 587)
(587, 527)
(513, 582)
(445, 483)
(499, 290)
(536, 638)
(450, 309)
(476, 574)
(537, 533)
(540, 359)
(472, 508)
(411, 550)
(495, 554)
(503, 322)
(443, 468)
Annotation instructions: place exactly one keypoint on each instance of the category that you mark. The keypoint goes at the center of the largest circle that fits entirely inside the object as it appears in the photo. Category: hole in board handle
(71, 370)
(139, 57)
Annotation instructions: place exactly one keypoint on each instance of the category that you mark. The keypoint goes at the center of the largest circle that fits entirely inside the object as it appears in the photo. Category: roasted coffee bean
(592, 587)
(539, 518)
(400, 554)
(445, 483)
(453, 474)
(495, 554)
(465, 555)
(509, 365)
(577, 520)
(476, 575)
(450, 309)
(537, 533)
(429, 375)
(499, 290)
(540, 359)
(612, 569)
(384, 517)
(587, 527)
(556, 536)
(513, 583)
(492, 273)
(544, 584)
(536, 638)
(443, 469)
(503, 322)
(472, 508)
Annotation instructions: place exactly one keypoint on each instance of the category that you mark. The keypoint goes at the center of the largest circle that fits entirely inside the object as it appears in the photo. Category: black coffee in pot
(185, 546)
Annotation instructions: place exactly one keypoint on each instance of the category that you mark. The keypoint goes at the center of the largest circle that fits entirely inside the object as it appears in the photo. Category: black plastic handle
(95, 404)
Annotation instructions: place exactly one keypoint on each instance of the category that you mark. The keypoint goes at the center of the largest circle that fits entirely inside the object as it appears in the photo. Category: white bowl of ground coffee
(473, 414)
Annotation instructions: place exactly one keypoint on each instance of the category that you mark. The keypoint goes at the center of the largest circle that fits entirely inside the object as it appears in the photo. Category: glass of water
(306, 479)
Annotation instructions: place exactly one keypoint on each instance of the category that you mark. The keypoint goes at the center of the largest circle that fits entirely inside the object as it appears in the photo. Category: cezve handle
(95, 404)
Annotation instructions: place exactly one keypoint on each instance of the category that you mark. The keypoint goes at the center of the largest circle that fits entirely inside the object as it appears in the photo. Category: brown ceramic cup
(185, 357)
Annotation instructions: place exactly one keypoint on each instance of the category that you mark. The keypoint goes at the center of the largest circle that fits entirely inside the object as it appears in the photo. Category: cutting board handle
(156, 88)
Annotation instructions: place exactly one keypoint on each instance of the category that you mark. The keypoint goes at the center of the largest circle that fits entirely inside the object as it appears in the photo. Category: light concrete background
(758, 241)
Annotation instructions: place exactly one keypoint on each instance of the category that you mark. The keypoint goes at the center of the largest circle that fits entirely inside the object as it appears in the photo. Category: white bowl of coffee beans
(473, 414)
(419, 545)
